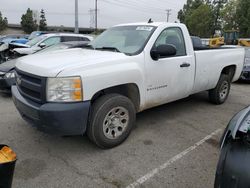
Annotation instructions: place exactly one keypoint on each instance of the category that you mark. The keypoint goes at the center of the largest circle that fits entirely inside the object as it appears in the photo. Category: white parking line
(155, 171)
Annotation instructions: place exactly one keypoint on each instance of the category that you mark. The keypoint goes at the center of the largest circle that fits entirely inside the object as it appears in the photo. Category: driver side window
(174, 37)
(52, 41)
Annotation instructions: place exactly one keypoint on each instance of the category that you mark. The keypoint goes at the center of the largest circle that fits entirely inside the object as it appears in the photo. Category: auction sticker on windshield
(144, 28)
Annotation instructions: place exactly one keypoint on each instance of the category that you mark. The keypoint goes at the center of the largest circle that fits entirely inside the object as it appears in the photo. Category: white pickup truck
(129, 68)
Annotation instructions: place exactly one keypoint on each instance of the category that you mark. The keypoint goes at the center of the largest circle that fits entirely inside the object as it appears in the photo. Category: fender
(95, 80)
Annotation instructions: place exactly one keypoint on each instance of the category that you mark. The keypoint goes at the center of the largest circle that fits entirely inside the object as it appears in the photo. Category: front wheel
(111, 120)
(220, 93)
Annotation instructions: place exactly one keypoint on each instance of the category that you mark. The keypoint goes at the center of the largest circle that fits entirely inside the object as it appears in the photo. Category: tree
(229, 16)
(200, 21)
(218, 5)
(43, 21)
(28, 23)
(243, 17)
(3, 22)
(190, 6)
(198, 16)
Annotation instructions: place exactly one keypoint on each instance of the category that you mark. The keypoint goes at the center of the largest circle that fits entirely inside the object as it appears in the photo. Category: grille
(31, 86)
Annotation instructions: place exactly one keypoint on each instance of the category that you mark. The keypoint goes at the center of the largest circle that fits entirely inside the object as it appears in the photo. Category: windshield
(33, 35)
(126, 39)
(35, 40)
(60, 46)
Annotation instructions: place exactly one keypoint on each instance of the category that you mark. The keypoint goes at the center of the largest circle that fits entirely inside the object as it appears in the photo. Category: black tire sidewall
(101, 109)
(214, 94)
(222, 80)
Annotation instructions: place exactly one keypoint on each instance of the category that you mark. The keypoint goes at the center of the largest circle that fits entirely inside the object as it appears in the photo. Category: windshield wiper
(109, 48)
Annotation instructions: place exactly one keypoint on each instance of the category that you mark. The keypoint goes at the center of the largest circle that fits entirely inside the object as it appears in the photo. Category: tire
(220, 93)
(111, 120)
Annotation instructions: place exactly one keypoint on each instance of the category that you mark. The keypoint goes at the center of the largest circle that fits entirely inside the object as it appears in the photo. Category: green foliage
(43, 21)
(200, 21)
(229, 16)
(190, 6)
(203, 17)
(27, 22)
(243, 17)
(217, 6)
(198, 16)
(3, 22)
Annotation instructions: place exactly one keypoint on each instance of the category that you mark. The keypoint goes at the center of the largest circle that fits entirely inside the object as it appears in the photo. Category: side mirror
(163, 51)
(42, 45)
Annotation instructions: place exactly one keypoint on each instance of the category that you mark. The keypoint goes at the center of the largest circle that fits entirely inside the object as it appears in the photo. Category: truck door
(171, 78)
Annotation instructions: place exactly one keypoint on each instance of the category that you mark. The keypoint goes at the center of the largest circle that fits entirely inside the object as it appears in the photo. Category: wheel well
(229, 70)
(129, 90)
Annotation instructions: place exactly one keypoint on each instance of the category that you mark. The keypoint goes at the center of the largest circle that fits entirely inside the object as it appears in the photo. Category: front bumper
(6, 83)
(55, 118)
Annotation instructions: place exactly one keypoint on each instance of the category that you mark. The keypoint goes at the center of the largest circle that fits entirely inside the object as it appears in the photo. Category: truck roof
(155, 24)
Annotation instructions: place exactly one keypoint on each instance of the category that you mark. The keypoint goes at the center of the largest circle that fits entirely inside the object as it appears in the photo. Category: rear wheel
(220, 93)
(111, 120)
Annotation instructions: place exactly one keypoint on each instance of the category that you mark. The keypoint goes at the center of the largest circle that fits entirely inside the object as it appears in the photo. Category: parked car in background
(233, 169)
(45, 41)
(245, 76)
(35, 34)
(22, 39)
(10, 39)
(15, 50)
(7, 75)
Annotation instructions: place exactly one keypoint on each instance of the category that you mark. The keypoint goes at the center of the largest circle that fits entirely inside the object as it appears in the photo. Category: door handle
(185, 65)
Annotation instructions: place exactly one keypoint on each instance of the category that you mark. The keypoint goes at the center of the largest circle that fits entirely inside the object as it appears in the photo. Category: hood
(18, 45)
(3, 47)
(50, 64)
(25, 51)
(8, 66)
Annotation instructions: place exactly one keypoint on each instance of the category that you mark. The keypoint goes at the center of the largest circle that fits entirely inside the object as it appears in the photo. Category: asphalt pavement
(174, 145)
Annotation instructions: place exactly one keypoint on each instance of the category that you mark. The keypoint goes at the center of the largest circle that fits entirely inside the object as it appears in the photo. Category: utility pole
(76, 17)
(92, 18)
(168, 14)
(96, 16)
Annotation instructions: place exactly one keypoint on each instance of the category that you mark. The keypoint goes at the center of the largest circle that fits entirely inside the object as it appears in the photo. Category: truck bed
(210, 62)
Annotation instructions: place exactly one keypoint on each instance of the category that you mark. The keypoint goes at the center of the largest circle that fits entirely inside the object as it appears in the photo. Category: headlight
(2, 73)
(64, 89)
(10, 75)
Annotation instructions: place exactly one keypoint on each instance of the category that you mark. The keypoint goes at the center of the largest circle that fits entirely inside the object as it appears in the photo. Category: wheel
(220, 93)
(111, 120)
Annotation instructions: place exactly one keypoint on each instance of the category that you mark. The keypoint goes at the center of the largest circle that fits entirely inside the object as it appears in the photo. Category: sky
(110, 12)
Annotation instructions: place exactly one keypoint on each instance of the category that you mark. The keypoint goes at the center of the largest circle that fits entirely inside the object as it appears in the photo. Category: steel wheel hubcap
(115, 122)
(224, 90)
